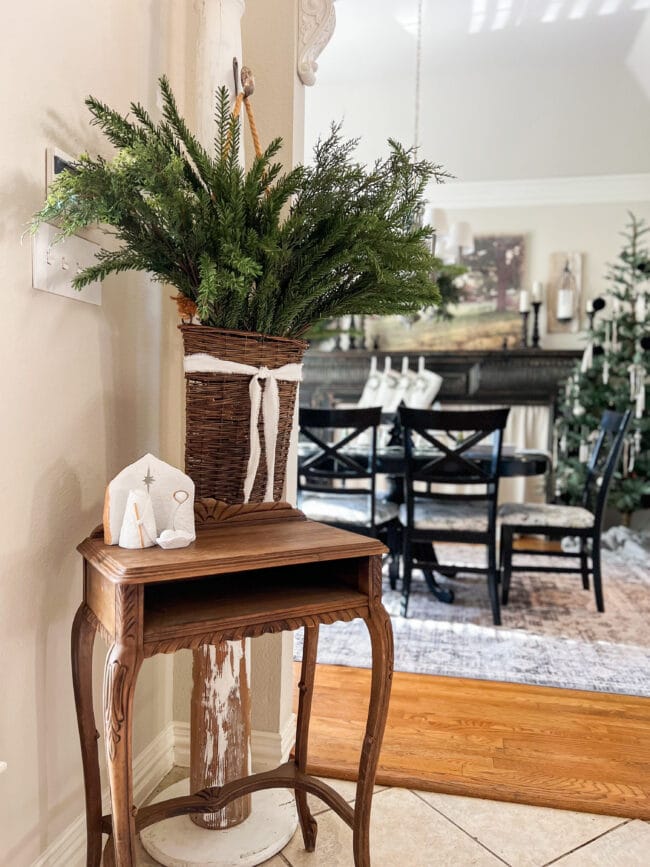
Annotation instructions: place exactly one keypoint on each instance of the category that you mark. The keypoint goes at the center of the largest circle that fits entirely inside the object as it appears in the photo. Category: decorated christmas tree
(611, 375)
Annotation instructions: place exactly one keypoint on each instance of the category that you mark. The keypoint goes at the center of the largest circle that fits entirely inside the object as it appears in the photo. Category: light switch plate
(55, 265)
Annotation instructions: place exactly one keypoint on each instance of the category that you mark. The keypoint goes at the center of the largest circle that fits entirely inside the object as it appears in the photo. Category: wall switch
(54, 266)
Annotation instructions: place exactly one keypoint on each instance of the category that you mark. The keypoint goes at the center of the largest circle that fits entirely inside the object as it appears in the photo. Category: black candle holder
(352, 336)
(590, 315)
(536, 306)
(598, 304)
(524, 328)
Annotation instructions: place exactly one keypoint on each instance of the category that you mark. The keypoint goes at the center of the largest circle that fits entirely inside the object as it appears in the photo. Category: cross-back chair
(469, 515)
(337, 471)
(558, 521)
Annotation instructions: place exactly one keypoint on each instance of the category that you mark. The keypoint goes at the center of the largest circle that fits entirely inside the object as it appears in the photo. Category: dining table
(390, 462)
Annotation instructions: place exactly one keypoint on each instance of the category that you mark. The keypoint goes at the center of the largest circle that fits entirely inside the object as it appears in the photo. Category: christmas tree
(611, 375)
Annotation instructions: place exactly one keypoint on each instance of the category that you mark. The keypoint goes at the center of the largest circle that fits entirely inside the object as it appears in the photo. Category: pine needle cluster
(257, 250)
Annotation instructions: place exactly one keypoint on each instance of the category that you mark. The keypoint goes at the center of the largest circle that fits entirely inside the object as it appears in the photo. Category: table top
(515, 461)
(220, 549)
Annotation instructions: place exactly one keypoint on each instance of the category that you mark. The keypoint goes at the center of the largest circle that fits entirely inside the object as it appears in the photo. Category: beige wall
(80, 390)
(592, 229)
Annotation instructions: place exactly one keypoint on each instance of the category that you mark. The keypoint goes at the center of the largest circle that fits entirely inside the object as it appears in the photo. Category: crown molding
(580, 190)
(316, 23)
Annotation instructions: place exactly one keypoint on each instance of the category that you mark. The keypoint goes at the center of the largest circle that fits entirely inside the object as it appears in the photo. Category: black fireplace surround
(517, 376)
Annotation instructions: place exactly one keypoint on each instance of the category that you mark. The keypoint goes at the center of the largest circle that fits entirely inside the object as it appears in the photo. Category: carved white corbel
(316, 24)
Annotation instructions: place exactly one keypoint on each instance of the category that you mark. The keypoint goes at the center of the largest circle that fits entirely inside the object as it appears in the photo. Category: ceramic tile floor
(422, 829)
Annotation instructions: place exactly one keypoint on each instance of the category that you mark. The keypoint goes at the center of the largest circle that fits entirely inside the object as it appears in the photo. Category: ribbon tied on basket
(201, 362)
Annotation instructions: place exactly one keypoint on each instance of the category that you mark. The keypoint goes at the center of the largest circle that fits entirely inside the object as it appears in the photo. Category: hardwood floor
(535, 745)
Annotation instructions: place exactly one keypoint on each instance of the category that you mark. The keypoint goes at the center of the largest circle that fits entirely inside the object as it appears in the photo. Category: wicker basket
(217, 443)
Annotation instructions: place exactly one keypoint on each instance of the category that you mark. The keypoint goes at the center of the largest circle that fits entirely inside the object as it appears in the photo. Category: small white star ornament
(149, 503)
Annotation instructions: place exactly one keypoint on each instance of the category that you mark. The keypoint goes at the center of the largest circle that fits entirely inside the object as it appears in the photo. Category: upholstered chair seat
(340, 509)
(448, 515)
(545, 515)
(558, 521)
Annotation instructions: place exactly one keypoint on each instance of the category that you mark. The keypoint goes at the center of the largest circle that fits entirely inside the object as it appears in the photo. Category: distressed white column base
(178, 842)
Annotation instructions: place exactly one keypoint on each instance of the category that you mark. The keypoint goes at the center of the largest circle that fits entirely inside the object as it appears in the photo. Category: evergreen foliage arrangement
(615, 378)
(257, 250)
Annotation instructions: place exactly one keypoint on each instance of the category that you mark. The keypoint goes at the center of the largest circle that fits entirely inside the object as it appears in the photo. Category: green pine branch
(258, 249)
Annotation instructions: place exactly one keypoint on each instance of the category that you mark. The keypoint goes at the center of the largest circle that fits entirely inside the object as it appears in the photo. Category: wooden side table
(252, 570)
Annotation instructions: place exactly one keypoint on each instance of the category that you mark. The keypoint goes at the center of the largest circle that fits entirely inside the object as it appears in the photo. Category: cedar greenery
(257, 250)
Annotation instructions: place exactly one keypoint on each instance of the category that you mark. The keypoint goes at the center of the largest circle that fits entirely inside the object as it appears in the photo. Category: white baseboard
(171, 747)
(149, 767)
(268, 749)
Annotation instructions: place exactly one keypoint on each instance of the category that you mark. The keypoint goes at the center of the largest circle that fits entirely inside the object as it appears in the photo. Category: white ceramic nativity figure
(149, 503)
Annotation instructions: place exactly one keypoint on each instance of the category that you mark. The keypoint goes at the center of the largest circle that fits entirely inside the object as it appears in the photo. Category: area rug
(551, 635)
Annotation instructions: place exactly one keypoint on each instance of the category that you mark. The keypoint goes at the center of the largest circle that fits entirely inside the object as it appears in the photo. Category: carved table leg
(83, 639)
(381, 637)
(122, 666)
(308, 824)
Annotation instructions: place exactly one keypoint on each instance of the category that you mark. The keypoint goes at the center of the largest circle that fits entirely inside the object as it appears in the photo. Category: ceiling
(462, 33)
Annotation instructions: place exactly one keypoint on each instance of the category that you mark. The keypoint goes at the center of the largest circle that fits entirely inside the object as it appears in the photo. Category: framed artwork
(487, 314)
(564, 293)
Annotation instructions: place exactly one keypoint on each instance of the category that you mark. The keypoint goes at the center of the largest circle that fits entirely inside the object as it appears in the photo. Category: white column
(221, 716)
(270, 45)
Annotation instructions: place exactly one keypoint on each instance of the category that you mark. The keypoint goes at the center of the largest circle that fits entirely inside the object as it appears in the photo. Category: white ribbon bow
(200, 362)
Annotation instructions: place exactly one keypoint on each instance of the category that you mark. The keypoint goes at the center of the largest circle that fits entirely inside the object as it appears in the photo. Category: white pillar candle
(587, 357)
(590, 306)
(640, 402)
(564, 305)
(524, 304)
(640, 308)
(538, 288)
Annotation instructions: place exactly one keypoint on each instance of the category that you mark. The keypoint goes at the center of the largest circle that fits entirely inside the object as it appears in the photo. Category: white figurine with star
(148, 503)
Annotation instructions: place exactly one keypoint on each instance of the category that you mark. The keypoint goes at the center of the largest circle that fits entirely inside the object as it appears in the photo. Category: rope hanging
(243, 97)
(187, 307)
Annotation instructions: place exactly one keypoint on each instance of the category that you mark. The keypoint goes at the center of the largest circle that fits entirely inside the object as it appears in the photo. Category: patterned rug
(551, 635)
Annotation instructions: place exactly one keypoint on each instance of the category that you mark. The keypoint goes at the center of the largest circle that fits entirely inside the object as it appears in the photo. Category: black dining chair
(556, 521)
(337, 475)
(431, 515)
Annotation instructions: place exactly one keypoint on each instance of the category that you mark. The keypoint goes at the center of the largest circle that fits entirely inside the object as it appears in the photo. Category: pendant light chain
(418, 71)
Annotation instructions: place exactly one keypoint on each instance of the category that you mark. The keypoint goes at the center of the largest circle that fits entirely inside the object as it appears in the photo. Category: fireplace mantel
(517, 376)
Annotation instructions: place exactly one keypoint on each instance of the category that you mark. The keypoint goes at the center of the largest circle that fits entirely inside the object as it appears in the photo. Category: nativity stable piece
(253, 570)
(148, 503)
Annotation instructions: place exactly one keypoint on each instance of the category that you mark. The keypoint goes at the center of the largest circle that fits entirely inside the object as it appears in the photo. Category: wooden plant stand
(252, 570)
